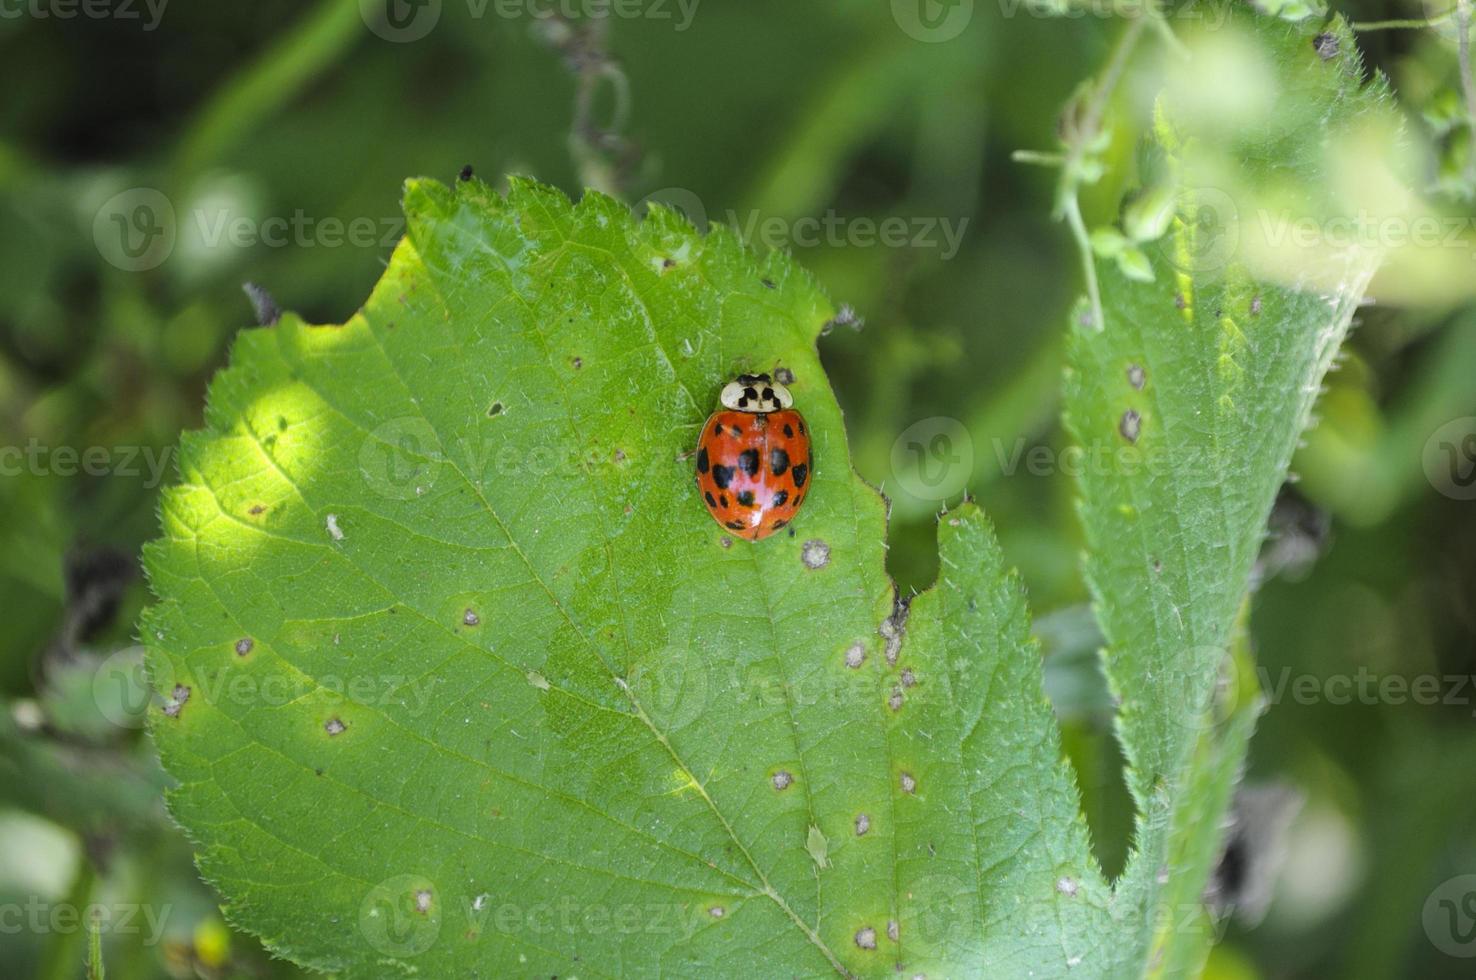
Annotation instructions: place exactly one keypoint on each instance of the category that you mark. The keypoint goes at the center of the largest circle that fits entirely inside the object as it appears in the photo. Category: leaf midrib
(661, 738)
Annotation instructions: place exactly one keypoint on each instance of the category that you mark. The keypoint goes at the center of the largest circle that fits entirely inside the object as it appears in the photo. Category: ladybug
(753, 458)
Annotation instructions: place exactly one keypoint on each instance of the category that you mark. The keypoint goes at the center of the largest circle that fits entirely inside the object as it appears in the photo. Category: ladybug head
(755, 393)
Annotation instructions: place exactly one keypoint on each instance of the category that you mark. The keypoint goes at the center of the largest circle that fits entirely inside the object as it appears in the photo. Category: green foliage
(1189, 404)
(516, 686)
(365, 523)
(834, 112)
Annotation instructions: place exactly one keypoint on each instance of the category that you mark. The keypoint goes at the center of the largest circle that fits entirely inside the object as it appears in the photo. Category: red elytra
(753, 458)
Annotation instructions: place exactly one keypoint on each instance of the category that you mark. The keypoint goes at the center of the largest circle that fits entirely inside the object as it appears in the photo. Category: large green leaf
(1189, 404)
(458, 677)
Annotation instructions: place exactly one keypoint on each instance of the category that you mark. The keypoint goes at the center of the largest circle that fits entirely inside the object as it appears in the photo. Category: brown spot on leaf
(1130, 425)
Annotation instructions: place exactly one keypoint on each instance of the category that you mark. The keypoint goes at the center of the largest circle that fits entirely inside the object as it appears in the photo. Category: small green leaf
(1444, 111)
(1292, 11)
(818, 847)
(1108, 242)
(1135, 265)
(1148, 213)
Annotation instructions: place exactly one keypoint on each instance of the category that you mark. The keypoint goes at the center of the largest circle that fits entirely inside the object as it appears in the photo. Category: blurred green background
(277, 135)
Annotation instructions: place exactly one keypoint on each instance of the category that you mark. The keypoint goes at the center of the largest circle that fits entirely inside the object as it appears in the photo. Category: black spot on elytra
(748, 461)
(746, 498)
(779, 523)
(722, 476)
(778, 460)
(800, 471)
(702, 460)
(710, 501)
(723, 499)
(801, 424)
(788, 431)
(779, 498)
(736, 525)
(717, 429)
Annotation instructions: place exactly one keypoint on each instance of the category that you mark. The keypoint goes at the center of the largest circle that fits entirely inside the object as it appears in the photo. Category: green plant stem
(1401, 24)
(1038, 158)
(1083, 133)
(1468, 85)
(1088, 260)
(95, 969)
(63, 953)
(282, 71)
(1088, 125)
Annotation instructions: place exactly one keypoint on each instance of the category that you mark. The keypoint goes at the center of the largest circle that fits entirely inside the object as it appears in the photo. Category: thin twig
(1083, 130)
(1412, 23)
(1468, 86)
(602, 154)
(1088, 260)
(1086, 126)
